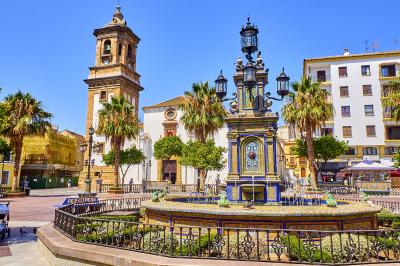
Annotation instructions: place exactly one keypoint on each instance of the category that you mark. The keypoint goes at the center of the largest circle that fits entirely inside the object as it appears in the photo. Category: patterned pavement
(28, 213)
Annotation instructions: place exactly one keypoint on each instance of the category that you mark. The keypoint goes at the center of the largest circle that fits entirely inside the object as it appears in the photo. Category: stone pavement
(27, 213)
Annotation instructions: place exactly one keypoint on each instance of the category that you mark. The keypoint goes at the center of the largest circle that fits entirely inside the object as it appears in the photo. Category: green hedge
(386, 218)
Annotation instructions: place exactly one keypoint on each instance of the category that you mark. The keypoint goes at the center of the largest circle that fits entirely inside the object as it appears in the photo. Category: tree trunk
(117, 153)
(202, 177)
(310, 152)
(18, 151)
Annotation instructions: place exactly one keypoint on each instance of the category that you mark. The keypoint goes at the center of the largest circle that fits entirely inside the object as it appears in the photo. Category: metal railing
(153, 186)
(267, 245)
(134, 188)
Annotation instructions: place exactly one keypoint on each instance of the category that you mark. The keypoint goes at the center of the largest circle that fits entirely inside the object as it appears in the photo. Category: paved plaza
(28, 213)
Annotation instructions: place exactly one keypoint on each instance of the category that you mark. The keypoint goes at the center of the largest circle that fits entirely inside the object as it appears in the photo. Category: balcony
(387, 71)
(392, 133)
(323, 79)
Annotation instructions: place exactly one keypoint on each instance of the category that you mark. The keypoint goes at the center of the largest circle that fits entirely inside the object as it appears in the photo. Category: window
(369, 110)
(367, 90)
(130, 55)
(326, 131)
(119, 49)
(107, 47)
(321, 76)
(391, 150)
(371, 132)
(365, 70)
(370, 151)
(303, 172)
(4, 178)
(103, 96)
(344, 91)
(388, 71)
(351, 151)
(345, 110)
(393, 132)
(347, 132)
(342, 72)
(292, 161)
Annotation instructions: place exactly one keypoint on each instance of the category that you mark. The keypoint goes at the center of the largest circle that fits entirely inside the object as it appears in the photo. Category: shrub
(348, 247)
(387, 218)
(160, 242)
(304, 251)
(248, 251)
(396, 225)
(127, 218)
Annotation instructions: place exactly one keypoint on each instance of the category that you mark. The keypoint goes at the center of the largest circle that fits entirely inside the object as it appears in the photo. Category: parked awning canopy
(371, 166)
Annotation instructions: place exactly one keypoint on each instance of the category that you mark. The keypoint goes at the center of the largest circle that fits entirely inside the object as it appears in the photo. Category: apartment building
(358, 83)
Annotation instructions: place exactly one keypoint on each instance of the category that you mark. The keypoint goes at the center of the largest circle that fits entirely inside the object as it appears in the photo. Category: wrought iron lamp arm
(230, 99)
(268, 96)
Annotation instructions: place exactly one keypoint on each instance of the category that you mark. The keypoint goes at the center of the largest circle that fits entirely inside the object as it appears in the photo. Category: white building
(161, 120)
(357, 84)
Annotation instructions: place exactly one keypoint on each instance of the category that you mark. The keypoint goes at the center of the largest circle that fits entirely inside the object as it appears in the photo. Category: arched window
(252, 157)
(107, 47)
(130, 55)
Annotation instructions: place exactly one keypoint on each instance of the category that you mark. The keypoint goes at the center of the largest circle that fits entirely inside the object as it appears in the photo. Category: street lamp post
(83, 148)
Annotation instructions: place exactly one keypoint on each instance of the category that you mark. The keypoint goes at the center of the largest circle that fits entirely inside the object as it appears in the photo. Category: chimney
(346, 52)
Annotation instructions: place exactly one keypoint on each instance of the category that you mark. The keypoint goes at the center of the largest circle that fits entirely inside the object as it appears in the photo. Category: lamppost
(89, 162)
(249, 43)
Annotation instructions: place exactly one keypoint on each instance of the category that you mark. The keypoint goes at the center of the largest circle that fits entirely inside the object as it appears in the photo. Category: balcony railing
(316, 78)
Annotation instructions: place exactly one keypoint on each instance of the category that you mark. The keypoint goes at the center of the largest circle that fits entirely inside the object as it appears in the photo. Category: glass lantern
(249, 78)
(221, 86)
(249, 39)
(282, 84)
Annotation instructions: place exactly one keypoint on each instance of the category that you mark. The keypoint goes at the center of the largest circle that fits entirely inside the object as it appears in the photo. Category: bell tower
(113, 74)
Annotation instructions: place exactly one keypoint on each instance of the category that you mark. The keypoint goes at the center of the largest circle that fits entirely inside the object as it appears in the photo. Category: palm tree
(392, 101)
(307, 110)
(22, 115)
(117, 122)
(203, 115)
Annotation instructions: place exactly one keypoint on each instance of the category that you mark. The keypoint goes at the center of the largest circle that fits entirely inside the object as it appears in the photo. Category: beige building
(114, 74)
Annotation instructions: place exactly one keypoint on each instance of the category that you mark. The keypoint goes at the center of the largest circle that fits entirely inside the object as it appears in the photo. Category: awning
(371, 166)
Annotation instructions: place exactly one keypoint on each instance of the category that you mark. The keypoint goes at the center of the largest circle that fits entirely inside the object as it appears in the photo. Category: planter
(116, 191)
(15, 194)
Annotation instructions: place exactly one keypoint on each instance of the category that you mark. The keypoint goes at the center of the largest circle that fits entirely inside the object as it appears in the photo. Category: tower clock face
(106, 61)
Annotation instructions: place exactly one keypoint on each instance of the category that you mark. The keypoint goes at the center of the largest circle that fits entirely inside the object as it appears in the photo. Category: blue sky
(47, 46)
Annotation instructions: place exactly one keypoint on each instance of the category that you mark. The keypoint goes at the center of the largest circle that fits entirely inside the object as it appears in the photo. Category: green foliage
(387, 218)
(21, 115)
(5, 148)
(157, 195)
(167, 147)
(300, 251)
(396, 159)
(126, 218)
(345, 241)
(130, 156)
(237, 250)
(117, 122)
(392, 101)
(205, 156)
(325, 148)
(307, 109)
(203, 112)
(156, 242)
